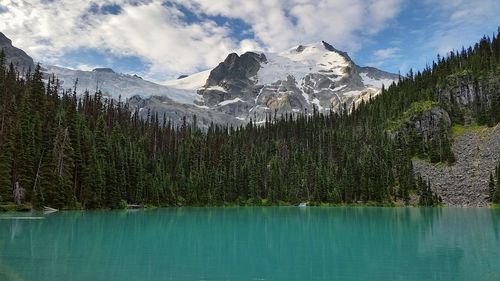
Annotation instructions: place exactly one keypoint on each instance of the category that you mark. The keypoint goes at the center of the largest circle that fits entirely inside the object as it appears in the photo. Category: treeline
(64, 151)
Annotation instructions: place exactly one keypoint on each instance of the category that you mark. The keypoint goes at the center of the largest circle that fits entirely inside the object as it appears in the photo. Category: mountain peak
(317, 47)
(4, 40)
(330, 48)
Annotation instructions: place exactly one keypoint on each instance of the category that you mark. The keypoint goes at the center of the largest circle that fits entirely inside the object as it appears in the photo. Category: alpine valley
(303, 125)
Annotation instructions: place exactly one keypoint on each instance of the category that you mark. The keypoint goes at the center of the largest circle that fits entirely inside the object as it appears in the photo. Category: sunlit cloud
(169, 38)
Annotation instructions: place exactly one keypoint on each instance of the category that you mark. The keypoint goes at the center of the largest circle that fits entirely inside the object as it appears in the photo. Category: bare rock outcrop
(16, 56)
(430, 123)
(465, 183)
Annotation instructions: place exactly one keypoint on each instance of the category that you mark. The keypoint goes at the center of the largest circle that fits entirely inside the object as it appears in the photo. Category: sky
(160, 40)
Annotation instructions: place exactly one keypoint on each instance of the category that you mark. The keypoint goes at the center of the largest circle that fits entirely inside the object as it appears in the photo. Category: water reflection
(255, 244)
(495, 220)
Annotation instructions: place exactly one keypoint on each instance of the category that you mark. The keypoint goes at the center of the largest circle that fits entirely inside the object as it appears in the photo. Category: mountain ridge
(22, 61)
(241, 88)
(255, 84)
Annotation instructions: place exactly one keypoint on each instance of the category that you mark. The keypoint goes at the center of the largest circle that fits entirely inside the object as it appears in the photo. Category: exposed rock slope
(470, 94)
(253, 85)
(16, 56)
(426, 124)
(430, 123)
(465, 183)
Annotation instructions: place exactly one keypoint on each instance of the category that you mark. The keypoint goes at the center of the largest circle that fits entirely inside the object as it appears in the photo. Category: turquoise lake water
(279, 243)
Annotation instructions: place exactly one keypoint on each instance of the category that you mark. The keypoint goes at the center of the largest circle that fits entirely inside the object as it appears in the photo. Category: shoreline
(491, 206)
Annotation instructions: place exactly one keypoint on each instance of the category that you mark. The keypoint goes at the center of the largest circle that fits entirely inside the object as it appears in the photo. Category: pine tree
(6, 185)
(427, 196)
(496, 194)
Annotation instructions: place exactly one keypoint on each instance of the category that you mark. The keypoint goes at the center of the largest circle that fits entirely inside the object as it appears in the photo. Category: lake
(274, 243)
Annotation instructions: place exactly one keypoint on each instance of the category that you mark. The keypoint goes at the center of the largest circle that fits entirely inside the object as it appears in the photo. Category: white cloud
(385, 57)
(169, 44)
(279, 24)
(459, 23)
(155, 33)
(384, 54)
(87, 67)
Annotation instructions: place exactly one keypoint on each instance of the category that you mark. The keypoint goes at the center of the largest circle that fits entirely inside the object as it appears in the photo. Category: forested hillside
(67, 152)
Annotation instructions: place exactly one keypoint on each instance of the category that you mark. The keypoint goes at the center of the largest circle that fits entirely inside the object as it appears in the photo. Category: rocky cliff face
(426, 124)
(16, 56)
(430, 123)
(463, 90)
(469, 94)
(253, 85)
(235, 72)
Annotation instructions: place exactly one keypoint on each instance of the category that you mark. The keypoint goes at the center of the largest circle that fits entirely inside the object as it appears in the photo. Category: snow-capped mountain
(117, 85)
(254, 84)
(142, 95)
(241, 88)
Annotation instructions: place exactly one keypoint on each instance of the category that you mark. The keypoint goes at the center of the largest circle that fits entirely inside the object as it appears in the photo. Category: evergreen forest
(88, 152)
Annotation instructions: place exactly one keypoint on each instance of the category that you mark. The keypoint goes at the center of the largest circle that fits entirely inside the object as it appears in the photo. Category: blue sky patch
(94, 59)
(111, 9)
(3, 9)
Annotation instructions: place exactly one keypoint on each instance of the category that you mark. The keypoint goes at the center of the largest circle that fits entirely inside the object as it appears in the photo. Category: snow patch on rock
(368, 81)
(226, 102)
